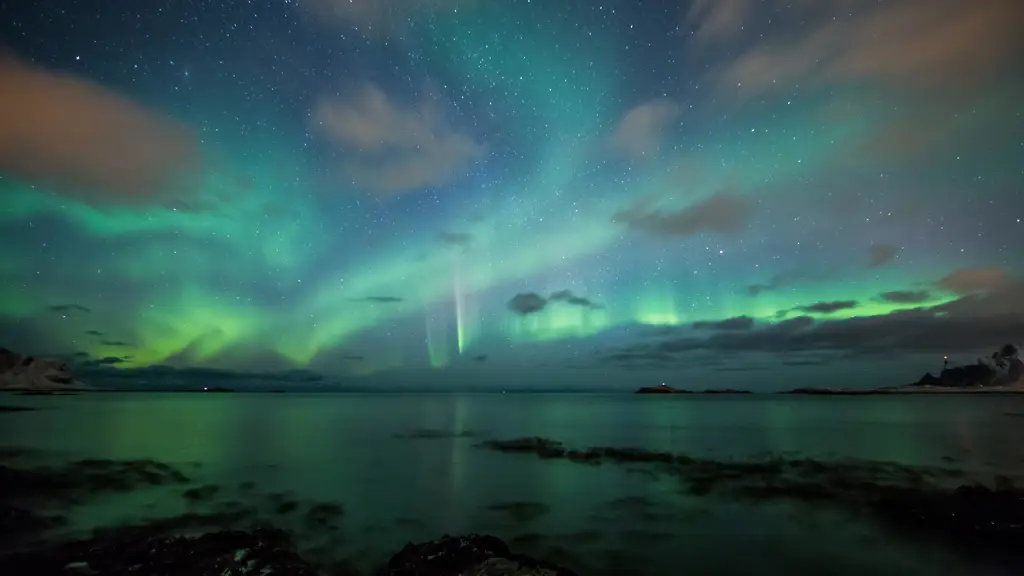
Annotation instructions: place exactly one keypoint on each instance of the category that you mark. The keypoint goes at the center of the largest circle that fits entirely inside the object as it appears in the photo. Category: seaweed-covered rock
(265, 552)
(472, 555)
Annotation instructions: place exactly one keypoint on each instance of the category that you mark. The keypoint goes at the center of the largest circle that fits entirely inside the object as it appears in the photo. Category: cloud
(106, 361)
(739, 323)
(828, 307)
(787, 279)
(975, 322)
(353, 357)
(87, 142)
(480, 358)
(526, 303)
(382, 299)
(881, 254)
(640, 130)
(805, 362)
(382, 17)
(116, 343)
(905, 296)
(722, 213)
(103, 370)
(942, 56)
(455, 239)
(903, 43)
(716, 21)
(65, 308)
(96, 333)
(395, 148)
(569, 298)
(971, 280)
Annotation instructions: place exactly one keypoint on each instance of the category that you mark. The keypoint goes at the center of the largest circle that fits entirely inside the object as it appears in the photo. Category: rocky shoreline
(215, 537)
(936, 504)
(223, 537)
(264, 552)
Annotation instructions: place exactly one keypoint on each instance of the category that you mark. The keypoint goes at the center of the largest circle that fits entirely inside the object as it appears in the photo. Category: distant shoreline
(908, 391)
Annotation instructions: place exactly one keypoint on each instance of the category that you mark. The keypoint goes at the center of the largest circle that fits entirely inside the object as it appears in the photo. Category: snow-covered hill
(19, 372)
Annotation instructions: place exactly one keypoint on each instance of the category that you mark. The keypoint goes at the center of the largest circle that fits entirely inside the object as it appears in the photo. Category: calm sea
(355, 449)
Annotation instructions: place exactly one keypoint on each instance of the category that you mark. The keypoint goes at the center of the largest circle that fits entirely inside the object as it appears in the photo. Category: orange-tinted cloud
(393, 148)
(642, 128)
(941, 58)
(87, 142)
(717, 21)
(918, 43)
(971, 280)
(722, 213)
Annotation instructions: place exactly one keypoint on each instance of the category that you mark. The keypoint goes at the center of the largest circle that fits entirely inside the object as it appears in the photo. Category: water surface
(368, 452)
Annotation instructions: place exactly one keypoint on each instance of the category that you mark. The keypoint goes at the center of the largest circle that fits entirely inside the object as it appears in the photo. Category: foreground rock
(987, 522)
(265, 552)
(473, 555)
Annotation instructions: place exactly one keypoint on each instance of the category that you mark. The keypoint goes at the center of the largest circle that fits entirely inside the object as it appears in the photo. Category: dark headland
(1001, 373)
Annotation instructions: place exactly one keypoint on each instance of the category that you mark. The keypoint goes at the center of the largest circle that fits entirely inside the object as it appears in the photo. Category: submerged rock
(472, 555)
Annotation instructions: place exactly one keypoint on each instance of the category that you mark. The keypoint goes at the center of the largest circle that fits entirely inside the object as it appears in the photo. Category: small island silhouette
(666, 389)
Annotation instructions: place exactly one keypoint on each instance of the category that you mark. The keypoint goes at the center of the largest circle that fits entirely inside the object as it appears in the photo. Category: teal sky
(452, 194)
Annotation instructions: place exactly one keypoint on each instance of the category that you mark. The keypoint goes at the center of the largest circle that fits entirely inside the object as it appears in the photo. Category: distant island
(218, 389)
(1001, 372)
(665, 389)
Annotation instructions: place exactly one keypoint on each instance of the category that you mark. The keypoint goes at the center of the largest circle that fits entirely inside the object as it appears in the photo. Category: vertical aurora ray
(467, 310)
(460, 304)
(438, 352)
(658, 307)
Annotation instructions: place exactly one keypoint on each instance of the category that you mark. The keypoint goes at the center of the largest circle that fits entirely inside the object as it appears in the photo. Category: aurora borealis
(459, 191)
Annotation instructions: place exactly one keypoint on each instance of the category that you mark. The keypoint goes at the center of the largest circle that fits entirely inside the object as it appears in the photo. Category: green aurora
(575, 150)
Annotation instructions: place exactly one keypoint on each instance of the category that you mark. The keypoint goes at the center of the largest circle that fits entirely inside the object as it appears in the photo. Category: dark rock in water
(263, 551)
(16, 409)
(475, 554)
(976, 518)
(543, 447)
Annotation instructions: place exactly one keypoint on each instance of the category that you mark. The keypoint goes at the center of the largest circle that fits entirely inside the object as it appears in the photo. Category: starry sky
(462, 193)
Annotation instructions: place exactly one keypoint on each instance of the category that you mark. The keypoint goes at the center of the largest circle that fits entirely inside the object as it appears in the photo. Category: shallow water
(365, 452)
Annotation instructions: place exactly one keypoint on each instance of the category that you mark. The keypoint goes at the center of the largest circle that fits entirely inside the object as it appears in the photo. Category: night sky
(553, 194)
